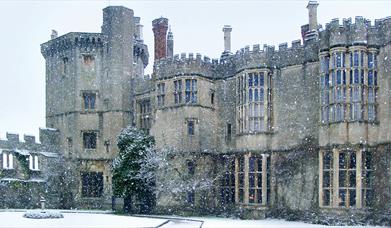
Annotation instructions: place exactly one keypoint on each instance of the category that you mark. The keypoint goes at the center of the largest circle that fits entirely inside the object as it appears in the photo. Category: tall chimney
(159, 28)
(170, 44)
(312, 15)
(54, 34)
(227, 38)
(138, 29)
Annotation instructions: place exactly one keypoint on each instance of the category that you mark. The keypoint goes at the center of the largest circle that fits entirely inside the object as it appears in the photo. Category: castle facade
(299, 128)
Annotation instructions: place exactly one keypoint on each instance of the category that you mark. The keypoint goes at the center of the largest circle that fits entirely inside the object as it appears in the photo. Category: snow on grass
(73, 220)
(266, 223)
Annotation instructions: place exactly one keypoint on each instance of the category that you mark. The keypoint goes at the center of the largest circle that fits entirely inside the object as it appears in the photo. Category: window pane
(327, 158)
(342, 197)
(342, 160)
(352, 179)
(342, 178)
(352, 197)
(250, 79)
(255, 79)
(261, 79)
(259, 195)
(352, 160)
(326, 197)
(251, 196)
(259, 181)
(326, 179)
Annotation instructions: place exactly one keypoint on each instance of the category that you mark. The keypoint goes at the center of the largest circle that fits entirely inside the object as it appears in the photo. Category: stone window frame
(227, 180)
(194, 122)
(357, 104)
(265, 174)
(178, 88)
(34, 162)
(191, 91)
(84, 142)
(144, 111)
(363, 178)
(7, 160)
(86, 104)
(161, 93)
(261, 109)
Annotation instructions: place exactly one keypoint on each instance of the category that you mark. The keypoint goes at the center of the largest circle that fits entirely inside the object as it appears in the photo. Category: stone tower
(89, 87)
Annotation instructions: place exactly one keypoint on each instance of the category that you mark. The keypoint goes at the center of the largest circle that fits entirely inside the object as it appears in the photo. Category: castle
(301, 128)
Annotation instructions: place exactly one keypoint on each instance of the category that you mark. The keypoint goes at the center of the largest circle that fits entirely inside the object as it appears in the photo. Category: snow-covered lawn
(79, 220)
(267, 223)
(99, 220)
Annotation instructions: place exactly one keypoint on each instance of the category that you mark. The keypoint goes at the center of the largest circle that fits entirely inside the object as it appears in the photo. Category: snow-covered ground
(79, 220)
(91, 220)
(267, 223)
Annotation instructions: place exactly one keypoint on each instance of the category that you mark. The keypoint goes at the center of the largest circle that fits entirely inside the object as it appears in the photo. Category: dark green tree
(133, 145)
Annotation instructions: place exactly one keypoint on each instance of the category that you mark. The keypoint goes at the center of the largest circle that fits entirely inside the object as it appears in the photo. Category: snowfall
(94, 219)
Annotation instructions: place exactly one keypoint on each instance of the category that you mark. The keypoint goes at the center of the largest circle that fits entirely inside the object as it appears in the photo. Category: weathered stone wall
(22, 187)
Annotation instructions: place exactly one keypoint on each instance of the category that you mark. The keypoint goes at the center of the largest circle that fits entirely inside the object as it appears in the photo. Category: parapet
(49, 142)
(185, 64)
(361, 32)
(70, 41)
(269, 57)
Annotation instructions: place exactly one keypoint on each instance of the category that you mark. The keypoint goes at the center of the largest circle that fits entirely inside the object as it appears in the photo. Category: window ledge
(253, 206)
(87, 111)
(256, 133)
(35, 170)
(184, 105)
(89, 150)
(376, 122)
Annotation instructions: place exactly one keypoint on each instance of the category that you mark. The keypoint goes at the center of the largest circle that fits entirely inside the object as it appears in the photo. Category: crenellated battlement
(360, 32)
(270, 57)
(185, 63)
(49, 139)
(72, 40)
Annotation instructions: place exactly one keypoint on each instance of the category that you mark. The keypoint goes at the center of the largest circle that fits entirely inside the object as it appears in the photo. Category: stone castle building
(299, 128)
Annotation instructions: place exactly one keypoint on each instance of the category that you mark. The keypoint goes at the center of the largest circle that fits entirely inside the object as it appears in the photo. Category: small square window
(89, 100)
(88, 60)
(89, 140)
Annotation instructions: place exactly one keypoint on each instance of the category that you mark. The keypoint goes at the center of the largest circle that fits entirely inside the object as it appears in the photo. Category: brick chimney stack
(159, 28)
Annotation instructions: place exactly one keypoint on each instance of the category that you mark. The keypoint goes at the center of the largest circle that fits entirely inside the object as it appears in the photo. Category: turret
(159, 28)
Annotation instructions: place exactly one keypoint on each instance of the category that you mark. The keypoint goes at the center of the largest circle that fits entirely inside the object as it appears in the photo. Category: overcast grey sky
(197, 27)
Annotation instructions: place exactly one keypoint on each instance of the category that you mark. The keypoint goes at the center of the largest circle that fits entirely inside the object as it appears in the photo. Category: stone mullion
(246, 178)
(335, 200)
(321, 177)
(359, 178)
(264, 179)
(236, 180)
